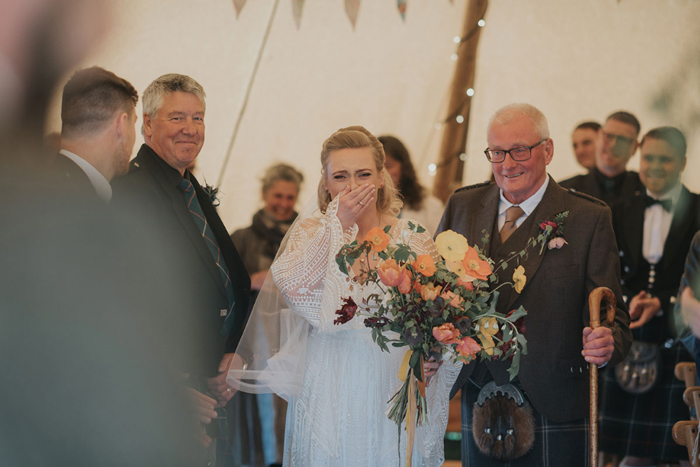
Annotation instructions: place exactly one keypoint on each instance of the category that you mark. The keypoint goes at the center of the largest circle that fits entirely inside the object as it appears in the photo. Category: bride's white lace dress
(339, 418)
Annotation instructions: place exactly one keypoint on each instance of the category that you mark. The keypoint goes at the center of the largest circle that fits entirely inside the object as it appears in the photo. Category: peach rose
(452, 298)
(430, 291)
(389, 272)
(404, 281)
(468, 348)
(446, 333)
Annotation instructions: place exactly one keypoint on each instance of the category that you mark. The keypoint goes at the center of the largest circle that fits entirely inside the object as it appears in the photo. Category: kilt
(642, 425)
(556, 444)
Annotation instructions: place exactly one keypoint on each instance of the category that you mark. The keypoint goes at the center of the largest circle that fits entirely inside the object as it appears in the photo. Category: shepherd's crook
(594, 300)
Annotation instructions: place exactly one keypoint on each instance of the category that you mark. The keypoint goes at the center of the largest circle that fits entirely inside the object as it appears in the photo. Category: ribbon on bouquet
(406, 374)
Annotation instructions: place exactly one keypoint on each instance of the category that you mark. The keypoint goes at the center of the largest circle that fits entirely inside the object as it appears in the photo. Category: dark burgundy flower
(346, 312)
(544, 225)
(463, 325)
(413, 340)
(519, 323)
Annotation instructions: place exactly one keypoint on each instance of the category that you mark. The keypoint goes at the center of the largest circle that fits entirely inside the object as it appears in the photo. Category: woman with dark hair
(419, 205)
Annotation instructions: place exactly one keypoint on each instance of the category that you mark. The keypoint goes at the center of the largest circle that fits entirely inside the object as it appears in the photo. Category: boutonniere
(552, 232)
(212, 192)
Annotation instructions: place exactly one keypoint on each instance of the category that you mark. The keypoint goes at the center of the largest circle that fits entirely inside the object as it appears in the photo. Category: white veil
(272, 350)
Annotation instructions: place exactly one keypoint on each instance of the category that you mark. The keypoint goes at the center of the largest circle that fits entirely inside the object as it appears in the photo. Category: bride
(336, 379)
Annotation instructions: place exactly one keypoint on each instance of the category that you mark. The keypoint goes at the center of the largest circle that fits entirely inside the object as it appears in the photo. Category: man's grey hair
(506, 114)
(165, 85)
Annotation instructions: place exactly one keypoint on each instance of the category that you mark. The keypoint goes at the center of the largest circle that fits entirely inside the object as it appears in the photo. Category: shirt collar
(529, 204)
(98, 181)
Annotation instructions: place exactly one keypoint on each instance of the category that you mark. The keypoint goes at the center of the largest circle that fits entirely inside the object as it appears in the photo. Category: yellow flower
(451, 245)
(487, 328)
(519, 279)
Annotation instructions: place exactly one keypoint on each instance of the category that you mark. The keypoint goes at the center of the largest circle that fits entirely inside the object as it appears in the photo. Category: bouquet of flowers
(439, 309)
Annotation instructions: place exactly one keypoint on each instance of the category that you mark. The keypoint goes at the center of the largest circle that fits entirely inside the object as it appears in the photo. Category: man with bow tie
(653, 230)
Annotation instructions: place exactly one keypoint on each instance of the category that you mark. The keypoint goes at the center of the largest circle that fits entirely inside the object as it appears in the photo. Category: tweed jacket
(553, 374)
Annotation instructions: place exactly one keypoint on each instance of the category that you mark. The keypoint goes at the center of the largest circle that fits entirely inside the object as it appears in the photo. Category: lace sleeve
(300, 272)
(430, 437)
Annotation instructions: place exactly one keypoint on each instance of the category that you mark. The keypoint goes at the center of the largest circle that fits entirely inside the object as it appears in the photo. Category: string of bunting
(352, 9)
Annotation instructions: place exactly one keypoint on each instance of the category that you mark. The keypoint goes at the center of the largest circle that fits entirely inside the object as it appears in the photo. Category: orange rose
(405, 281)
(468, 348)
(424, 264)
(475, 266)
(430, 291)
(447, 334)
(452, 298)
(378, 238)
(389, 272)
(469, 285)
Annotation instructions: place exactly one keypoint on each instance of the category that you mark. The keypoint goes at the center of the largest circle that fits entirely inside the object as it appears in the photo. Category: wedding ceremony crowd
(138, 329)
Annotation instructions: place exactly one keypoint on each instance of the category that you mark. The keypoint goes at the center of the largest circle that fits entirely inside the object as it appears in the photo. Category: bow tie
(667, 204)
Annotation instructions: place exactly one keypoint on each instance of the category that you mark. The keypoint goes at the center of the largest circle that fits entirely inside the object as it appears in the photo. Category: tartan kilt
(556, 444)
(641, 425)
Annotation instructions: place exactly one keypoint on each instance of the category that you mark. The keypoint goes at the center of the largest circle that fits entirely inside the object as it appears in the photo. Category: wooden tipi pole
(450, 167)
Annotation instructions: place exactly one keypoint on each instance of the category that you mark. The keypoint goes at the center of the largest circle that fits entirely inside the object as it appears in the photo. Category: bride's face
(353, 167)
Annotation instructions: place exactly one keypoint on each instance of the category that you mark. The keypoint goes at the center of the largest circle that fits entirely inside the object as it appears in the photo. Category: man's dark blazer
(70, 179)
(628, 222)
(150, 188)
(589, 184)
(553, 373)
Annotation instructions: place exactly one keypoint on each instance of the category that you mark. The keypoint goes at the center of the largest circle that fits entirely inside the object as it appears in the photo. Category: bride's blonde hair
(355, 137)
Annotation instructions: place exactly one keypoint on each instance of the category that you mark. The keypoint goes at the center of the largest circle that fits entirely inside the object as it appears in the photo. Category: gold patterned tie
(513, 213)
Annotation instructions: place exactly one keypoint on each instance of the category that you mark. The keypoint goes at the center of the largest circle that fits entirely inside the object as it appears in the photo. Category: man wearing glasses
(610, 181)
(553, 377)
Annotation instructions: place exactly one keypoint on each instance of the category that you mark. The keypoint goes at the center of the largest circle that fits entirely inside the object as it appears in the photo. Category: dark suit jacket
(553, 373)
(628, 222)
(150, 188)
(590, 184)
(70, 179)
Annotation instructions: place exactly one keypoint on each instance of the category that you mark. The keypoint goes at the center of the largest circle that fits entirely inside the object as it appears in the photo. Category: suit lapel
(552, 203)
(485, 218)
(177, 201)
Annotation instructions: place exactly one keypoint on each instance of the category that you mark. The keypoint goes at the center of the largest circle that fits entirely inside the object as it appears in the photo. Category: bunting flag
(239, 4)
(297, 6)
(352, 7)
(401, 4)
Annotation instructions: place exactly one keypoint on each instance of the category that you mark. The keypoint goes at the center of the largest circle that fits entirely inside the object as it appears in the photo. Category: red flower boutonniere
(552, 232)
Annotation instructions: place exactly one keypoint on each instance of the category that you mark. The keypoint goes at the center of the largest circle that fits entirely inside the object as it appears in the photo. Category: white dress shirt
(657, 224)
(527, 206)
(99, 182)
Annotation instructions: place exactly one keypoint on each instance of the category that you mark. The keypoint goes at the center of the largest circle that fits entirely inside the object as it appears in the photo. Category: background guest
(585, 140)
(418, 204)
(653, 231)
(258, 245)
(610, 181)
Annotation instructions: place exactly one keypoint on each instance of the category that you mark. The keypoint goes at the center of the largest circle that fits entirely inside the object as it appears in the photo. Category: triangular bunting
(401, 4)
(297, 6)
(352, 7)
(239, 4)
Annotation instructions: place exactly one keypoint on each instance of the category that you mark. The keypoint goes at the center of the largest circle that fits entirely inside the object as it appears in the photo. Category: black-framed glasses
(617, 139)
(519, 154)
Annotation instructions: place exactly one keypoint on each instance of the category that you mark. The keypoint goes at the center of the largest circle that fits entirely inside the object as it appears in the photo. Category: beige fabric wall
(574, 60)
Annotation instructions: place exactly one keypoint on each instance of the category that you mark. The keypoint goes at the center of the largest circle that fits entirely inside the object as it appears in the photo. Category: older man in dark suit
(160, 186)
(554, 374)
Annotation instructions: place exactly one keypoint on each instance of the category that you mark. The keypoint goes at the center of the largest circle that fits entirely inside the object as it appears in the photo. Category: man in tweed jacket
(554, 373)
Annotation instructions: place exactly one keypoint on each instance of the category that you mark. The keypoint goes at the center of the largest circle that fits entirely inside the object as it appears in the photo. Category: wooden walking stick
(594, 300)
